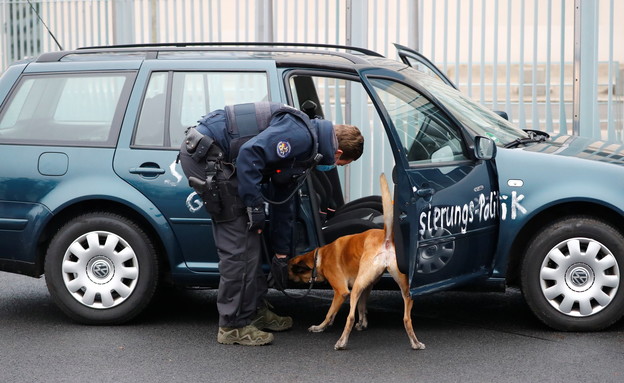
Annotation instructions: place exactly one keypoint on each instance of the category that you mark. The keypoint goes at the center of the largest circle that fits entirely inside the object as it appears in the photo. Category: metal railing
(552, 65)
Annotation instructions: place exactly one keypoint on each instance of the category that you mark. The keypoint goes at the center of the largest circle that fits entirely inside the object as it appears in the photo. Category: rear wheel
(571, 274)
(101, 268)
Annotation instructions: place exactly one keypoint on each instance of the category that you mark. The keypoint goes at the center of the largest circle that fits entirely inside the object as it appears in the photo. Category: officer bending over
(230, 158)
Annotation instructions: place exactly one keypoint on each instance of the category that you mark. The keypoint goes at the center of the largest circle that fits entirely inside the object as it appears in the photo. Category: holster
(232, 205)
(199, 145)
(219, 187)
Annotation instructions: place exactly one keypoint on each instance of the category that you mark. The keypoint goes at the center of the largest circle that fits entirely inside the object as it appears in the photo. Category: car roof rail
(239, 44)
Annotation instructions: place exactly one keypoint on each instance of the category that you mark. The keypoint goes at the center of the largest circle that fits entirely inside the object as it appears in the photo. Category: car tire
(571, 274)
(101, 268)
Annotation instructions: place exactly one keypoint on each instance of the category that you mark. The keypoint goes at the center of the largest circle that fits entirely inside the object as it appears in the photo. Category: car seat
(339, 219)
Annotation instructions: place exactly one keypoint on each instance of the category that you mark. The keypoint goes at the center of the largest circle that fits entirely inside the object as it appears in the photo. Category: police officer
(231, 158)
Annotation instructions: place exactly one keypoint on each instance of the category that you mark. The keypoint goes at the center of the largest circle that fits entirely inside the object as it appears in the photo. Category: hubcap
(100, 270)
(579, 277)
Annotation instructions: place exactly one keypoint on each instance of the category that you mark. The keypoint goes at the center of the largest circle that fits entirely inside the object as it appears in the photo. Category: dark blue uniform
(282, 144)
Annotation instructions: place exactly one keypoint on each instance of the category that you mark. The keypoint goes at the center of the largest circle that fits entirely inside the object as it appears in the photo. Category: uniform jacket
(279, 145)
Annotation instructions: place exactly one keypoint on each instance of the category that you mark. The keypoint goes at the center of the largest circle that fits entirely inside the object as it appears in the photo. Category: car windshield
(474, 116)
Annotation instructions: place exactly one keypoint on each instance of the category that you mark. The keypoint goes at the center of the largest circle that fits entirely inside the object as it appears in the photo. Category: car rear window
(66, 109)
(162, 122)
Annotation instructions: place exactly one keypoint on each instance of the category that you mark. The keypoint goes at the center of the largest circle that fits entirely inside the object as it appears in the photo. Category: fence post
(413, 25)
(153, 21)
(264, 20)
(357, 22)
(356, 35)
(586, 121)
(4, 37)
(123, 22)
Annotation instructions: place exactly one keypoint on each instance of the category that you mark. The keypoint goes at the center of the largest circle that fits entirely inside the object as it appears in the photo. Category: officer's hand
(278, 277)
(256, 218)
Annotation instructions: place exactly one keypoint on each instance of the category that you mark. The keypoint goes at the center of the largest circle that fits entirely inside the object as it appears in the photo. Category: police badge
(283, 149)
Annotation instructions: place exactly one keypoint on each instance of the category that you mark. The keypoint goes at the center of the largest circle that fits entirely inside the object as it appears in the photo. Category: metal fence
(551, 64)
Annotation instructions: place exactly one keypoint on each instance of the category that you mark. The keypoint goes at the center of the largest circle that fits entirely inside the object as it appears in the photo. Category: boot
(267, 320)
(246, 336)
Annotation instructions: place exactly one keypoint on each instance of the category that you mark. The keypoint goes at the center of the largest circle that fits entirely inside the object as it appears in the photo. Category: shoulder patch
(283, 149)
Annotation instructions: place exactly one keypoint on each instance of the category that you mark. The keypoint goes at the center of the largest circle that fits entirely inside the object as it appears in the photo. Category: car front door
(446, 201)
(175, 94)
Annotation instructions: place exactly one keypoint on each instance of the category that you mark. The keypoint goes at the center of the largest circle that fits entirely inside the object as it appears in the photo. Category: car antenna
(44, 24)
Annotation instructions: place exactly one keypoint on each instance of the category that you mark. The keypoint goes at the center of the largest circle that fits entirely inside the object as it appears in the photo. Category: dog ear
(300, 268)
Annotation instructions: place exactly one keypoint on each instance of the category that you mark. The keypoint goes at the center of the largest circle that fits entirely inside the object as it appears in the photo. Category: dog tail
(388, 210)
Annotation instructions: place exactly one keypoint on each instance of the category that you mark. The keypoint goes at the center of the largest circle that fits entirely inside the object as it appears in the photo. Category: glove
(256, 218)
(278, 277)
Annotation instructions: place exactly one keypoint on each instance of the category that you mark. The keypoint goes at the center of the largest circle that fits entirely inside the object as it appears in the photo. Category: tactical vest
(246, 121)
(219, 189)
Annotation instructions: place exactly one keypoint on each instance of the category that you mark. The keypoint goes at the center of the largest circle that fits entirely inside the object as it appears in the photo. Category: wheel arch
(98, 205)
(537, 222)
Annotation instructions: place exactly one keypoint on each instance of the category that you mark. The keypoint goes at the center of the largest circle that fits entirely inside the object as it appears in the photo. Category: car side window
(424, 130)
(66, 109)
(162, 122)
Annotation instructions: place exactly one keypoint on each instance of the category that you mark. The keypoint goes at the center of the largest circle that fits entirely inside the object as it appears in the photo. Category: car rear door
(446, 201)
(170, 96)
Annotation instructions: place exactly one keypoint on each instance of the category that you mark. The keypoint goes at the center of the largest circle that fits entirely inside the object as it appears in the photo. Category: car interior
(335, 217)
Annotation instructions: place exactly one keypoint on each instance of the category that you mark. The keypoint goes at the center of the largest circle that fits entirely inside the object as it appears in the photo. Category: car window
(475, 117)
(193, 95)
(419, 66)
(342, 99)
(424, 130)
(328, 93)
(65, 109)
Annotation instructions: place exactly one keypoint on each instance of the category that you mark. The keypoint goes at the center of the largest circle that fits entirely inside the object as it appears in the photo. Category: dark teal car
(91, 195)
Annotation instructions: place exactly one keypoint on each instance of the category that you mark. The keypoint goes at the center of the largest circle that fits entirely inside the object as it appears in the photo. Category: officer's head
(350, 144)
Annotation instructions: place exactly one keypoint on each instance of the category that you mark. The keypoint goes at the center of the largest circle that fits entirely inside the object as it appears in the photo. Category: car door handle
(148, 171)
(427, 192)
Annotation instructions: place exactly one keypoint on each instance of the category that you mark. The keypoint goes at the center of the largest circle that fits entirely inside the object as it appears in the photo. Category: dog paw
(418, 346)
(361, 327)
(316, 329)
(340, 345)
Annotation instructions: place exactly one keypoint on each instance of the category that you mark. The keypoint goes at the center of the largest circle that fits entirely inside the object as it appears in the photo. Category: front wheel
(571, 274)
(101, 268)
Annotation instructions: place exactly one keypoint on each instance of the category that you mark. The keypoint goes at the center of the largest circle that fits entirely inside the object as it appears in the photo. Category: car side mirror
(485, 148)
(502, 114)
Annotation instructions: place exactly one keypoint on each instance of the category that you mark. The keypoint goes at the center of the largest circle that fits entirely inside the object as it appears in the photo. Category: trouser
(242, 285)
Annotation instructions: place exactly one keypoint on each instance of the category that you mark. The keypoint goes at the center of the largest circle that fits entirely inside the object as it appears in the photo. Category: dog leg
(356, 291)
(362, 323)
(366, 277)
(331, 313)
(401, 279)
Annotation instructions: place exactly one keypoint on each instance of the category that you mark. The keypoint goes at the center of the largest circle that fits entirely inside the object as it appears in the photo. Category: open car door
(445, 199)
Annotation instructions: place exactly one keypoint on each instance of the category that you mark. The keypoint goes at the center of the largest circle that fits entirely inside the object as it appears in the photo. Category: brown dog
(357, 261)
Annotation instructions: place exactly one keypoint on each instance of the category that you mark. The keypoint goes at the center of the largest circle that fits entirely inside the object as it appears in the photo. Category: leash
(298, 184)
